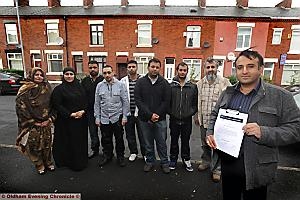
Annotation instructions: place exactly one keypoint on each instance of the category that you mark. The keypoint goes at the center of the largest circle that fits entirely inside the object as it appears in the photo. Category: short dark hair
(251, 55)
(182, 64)
(211, 60)
(93, 62)
(155, 60)
(107, 66)
(132, 62)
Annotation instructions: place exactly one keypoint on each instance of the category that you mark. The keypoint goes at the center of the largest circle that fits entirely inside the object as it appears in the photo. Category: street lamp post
(21, 40)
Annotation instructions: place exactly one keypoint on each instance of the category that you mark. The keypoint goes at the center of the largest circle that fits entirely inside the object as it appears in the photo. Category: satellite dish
(155, 40)
(59, 40)
(206, 44)
(231, 56)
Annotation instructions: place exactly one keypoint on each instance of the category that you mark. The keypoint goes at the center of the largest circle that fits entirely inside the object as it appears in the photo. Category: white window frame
(277, 34)
(193, 33)
(295, 68)
(294, 44)
(144, 32)
(191, 62)
(169, 69)
(240, 27)
(54, 56)
(221, 60)
(15, 57)
(100, 29)
(54, 23)
(11, 29)
(143, 59)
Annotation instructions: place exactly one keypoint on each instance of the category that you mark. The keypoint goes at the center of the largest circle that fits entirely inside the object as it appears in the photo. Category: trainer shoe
(165, 168)
(188, 165)
(132, 157)
(172, 165)
(203, 166)
(148, 167)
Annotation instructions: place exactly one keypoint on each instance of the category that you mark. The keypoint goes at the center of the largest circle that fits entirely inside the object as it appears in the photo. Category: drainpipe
(66, 39)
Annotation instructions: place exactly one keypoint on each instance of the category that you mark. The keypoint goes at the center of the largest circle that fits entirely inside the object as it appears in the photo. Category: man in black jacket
(152, 97)
(184, 98)
(89, 84)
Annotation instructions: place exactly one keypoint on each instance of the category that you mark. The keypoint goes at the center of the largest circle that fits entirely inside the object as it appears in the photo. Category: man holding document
(250, 120)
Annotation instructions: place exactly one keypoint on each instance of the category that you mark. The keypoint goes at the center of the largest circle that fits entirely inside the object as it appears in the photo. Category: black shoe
(93, 154)
(104, 160)
(148, 167)
(121, 162)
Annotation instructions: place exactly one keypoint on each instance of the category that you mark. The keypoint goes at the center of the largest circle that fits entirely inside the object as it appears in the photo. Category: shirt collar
(238, 86)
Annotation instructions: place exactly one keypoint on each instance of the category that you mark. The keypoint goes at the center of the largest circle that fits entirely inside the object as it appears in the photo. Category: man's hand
(210, 140)
(154, 117)
(97, 123)
(124, 121)
(252, 129)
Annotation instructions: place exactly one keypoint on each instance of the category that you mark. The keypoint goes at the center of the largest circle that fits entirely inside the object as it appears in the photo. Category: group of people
(141, 104)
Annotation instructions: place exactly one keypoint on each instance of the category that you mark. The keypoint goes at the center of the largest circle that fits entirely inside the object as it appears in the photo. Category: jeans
(107, 132)
(93, 129)
(182, 130)
(132, 123)
(155, 131)
(209, 155)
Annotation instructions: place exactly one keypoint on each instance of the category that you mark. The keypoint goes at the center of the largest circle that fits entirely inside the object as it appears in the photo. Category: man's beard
(93, 73)
(211, 77)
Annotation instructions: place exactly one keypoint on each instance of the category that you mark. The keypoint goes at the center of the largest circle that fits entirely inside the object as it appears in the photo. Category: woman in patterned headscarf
(35, 119)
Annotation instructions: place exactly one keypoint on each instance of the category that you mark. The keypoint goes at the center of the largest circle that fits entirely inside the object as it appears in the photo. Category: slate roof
(168, 11)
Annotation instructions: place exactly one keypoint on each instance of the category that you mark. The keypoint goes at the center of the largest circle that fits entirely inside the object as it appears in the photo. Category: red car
(10, 82)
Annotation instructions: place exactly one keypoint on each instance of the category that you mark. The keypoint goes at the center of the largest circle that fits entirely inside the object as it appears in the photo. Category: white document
(228, 131)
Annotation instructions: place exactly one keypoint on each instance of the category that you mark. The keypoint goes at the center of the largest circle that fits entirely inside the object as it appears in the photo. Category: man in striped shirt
(133, 122)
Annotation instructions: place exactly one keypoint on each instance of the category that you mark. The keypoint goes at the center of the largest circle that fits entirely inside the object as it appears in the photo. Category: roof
(177, 11)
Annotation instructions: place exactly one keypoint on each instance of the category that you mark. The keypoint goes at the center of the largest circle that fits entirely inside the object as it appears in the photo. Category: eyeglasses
(212, 67)
(93, 67)
(107, 72)
(69, 74)
(131, 67)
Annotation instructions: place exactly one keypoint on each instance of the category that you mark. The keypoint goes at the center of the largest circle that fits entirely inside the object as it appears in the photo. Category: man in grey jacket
(273, 120)
(111, 110)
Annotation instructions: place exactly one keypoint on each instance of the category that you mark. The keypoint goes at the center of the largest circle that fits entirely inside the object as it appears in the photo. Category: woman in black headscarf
(70, 143)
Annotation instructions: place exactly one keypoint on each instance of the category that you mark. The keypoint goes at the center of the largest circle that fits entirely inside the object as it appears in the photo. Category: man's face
(247, 70)
(182, 71)
(153, 69)
(211, 70)
(132, 69)
(108, 74)
(94, 70)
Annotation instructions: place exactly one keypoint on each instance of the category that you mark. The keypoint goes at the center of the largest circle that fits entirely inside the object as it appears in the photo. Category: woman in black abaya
(70, 143)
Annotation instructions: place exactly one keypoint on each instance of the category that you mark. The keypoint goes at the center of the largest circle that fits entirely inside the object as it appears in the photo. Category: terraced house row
(56, 36)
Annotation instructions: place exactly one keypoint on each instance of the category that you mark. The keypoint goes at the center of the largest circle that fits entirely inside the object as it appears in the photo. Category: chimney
(124, 3)
(242, 3)
(162, 4)
(23, 3)
(202, 3)
(53, 3)
(88, 3)
(287, 4)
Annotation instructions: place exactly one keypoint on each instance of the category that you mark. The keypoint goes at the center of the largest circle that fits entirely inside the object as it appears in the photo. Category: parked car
(10, 82)
(297, 98)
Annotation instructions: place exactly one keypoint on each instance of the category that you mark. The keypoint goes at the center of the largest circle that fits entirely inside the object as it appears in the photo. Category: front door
(122, 70)
(169, 69)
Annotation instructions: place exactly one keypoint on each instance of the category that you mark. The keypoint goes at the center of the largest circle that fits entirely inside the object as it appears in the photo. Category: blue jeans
(93, 129)
(132, 123)
(209, 155)
(155, 131)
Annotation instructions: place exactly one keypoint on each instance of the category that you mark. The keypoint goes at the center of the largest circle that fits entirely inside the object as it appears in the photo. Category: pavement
(18, 175)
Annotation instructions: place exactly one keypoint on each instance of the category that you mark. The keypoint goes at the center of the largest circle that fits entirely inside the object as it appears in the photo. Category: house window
(194, 68)
(243, 38)
(11, 33)
(52, 31)
(144, 33)
(101, 61)
(277, 33)
(295, 40)
(143, 64)
(15, 61)
(36, 60)
(55, 62)
(291, 74)
(96, 31)
(193, 36)
(233, 70)
(78, 63)
(268, 70)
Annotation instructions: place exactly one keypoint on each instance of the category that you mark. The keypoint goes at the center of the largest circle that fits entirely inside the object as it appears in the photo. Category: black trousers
(182, 130)
(107, 133)
(234, 181)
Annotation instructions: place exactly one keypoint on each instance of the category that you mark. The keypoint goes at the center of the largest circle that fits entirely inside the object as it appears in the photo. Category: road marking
(8, 146)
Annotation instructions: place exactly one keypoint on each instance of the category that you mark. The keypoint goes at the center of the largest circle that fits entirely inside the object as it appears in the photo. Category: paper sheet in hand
(228, 131)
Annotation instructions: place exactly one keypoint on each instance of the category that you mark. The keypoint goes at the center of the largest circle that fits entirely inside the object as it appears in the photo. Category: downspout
(66, 39)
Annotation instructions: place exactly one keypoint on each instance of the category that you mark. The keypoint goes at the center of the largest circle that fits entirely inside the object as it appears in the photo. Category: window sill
(96, 45)
(52, 44)
(193, 48)
(294, 52)
(12, 43)
(144, 45)
(54, 73)
(241, 49)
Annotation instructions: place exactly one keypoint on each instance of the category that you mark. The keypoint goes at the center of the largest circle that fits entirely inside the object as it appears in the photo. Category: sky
(252, 3)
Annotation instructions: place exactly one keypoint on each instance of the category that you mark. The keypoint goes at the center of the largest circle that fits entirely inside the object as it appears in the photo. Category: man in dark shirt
(89, 84)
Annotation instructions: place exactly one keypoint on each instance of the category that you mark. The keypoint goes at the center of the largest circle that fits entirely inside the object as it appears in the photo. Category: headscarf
(71, 87)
